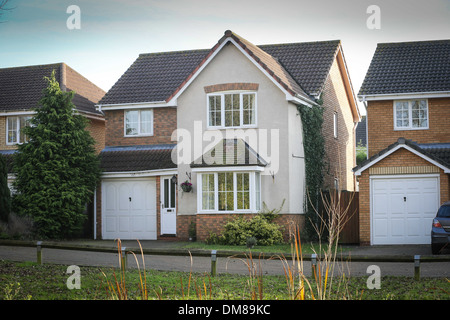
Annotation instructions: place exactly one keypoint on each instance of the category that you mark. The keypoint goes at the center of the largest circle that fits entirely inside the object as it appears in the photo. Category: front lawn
(48, 282)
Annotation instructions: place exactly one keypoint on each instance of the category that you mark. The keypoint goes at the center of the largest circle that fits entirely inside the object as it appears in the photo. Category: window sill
(228, 212)
(225, 128)
(138, 135)
(410, 129)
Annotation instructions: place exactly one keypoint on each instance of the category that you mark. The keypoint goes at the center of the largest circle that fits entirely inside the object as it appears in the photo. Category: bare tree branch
(4, 8)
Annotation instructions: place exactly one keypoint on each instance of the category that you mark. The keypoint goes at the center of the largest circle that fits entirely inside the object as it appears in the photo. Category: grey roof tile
(302, 67)
(230, 152)
(137, 158)
(439, 152)
(21, 87)
(408, 67)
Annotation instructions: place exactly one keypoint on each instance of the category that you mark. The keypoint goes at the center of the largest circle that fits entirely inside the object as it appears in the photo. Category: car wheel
(435, 248)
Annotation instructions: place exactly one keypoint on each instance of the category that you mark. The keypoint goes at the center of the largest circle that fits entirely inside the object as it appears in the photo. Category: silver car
(440, 231)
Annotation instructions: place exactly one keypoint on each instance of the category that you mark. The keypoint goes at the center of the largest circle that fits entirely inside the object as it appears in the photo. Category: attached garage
(402, 208)
(400, 191)
(129, 209)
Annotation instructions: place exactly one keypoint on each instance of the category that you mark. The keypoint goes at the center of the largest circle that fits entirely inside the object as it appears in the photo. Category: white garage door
(129, 209)
(402, 209)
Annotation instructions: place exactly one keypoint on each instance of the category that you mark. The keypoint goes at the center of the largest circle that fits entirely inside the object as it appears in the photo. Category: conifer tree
(57, 169)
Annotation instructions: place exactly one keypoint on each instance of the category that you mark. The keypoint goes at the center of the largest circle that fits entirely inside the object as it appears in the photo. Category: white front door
(168, 206)
(129, 209)
(402, 209)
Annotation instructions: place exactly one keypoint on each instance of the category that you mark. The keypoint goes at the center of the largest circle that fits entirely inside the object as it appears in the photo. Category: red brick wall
(214, 223)
(340, 151)
(380, 124)
(164, 123)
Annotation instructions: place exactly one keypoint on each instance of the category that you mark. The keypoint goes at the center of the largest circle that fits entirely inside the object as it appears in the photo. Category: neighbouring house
(201, 135)
(20, 91)
(406, 176)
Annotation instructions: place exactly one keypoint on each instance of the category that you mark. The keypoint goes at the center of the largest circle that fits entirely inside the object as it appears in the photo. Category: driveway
(227, 264)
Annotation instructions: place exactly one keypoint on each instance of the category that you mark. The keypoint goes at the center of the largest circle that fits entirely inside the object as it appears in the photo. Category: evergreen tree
(57, 170)
(5, 196)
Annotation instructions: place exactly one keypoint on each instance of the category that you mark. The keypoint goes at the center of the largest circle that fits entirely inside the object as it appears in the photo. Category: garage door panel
(402, 212)
(397, 227)
(380, 204)
(129, 209)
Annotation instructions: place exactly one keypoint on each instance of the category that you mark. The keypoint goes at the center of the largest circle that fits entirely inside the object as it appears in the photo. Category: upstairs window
(14, 132)
(410, 114)
(138, 123)
(232, 110)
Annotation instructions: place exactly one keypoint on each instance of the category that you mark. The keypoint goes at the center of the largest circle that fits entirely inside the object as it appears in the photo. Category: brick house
(225, 120)
(406, 176)
(20, 91)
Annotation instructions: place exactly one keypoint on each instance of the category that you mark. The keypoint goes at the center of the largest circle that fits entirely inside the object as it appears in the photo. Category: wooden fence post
(314, 264)
(39, 252)
(213, 262)
(124, 259)
(417, 267)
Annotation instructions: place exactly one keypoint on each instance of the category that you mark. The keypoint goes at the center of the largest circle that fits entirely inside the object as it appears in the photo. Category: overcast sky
(114, 32)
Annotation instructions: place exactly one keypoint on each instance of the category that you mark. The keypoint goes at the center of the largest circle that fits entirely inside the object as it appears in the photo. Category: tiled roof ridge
(399, 43)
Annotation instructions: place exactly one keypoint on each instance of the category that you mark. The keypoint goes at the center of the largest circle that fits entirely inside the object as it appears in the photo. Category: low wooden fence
(348, 203)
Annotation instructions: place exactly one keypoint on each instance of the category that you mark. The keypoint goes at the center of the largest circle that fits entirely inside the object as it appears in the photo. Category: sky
(112, 33)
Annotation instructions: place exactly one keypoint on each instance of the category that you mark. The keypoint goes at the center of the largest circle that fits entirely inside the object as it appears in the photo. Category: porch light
(174, 179)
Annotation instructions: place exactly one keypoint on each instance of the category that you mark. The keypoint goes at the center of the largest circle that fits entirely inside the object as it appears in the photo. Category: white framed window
(229, 192)
(231, 109)
(411, 114)
(14, 132)
(138, 122)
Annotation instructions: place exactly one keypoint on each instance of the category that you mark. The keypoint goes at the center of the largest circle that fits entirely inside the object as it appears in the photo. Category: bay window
(232, 109)
(229, 192)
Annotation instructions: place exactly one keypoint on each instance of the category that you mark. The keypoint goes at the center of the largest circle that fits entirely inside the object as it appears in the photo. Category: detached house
(201, 135)
(406, 177)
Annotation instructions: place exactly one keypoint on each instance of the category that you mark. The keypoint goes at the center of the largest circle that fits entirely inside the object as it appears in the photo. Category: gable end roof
(438, 154)
(299, 68)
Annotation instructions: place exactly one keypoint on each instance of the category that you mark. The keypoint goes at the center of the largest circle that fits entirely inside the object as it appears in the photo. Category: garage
(402, 208)
(129, 209)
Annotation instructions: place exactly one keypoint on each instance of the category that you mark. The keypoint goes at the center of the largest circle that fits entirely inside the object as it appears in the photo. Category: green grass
(48, 282)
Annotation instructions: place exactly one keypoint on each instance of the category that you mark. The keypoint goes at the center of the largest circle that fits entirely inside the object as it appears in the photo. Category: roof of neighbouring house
(300, 68)
(408, 67)
(361, 132)
(437, 152)
(21, 87)
(230, 152)
(137, 158)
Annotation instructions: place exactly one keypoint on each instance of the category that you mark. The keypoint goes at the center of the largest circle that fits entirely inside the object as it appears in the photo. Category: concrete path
(225, 264)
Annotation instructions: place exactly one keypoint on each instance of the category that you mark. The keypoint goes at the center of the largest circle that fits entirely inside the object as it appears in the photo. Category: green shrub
(239, 229)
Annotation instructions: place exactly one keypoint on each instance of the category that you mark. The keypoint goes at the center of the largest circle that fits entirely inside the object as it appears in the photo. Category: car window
(444, 212)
